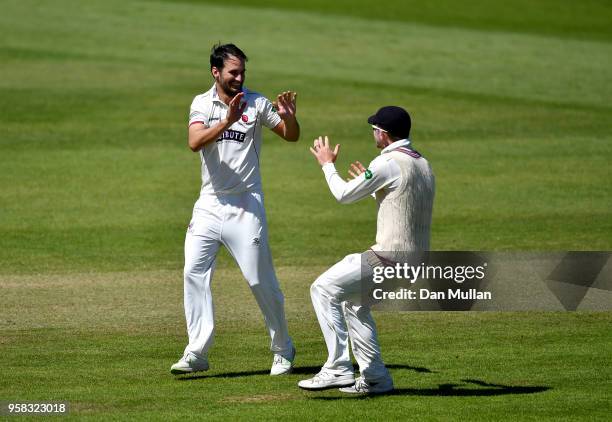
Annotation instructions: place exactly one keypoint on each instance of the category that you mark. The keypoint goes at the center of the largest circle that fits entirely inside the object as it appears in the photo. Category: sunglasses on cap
(374, 127)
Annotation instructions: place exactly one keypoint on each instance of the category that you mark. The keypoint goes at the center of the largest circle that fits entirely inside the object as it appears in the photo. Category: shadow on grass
(451, 390)
(299, 370)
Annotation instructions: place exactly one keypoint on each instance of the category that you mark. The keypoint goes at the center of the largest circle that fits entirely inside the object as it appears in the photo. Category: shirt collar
(400, 143)
(214, 95)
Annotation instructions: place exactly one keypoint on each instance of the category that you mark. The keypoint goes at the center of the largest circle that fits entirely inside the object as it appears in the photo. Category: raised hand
(355, 170)
(285, 104)
(323, 152)
(236, 108)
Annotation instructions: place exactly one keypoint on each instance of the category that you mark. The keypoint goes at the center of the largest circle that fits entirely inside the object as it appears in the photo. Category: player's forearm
(291, 130)
(201, 135)
(352, 191)
(337, 186)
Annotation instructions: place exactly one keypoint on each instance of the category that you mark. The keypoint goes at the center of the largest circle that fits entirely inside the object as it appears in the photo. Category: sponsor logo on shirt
(368, 174)
(232, 135)
(245, 118)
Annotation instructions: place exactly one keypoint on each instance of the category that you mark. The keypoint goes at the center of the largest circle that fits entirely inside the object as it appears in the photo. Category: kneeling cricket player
(403, 184)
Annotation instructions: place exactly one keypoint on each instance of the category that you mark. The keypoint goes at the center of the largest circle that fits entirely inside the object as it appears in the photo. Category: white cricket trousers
(336, 297)
(237, 221)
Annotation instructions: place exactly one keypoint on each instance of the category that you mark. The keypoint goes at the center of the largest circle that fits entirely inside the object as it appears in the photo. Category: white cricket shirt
(404, 188)
(231, 163)
(383, 173)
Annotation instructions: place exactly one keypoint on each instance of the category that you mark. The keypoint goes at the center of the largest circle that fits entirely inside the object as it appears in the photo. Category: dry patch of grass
(136, 300)
(257, 398)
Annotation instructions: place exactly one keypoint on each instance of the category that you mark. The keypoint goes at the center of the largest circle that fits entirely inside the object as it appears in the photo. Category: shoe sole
(287, 372)
(368, 393)
(328, 387)
(183, 372)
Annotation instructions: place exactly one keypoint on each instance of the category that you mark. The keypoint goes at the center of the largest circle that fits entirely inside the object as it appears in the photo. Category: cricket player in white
(225, 125)
(403, 184)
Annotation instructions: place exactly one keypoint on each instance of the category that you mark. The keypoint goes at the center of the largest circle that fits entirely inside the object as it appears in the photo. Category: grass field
(511, 104)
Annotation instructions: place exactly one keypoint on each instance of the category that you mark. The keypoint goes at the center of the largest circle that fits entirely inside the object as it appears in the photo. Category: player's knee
(188, 278)
(257, 281)
(314, 289)
(269, 293)
(191, 272)
(318, 287)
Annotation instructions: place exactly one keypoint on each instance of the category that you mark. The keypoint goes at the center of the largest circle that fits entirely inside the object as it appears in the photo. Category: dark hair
(221, 52)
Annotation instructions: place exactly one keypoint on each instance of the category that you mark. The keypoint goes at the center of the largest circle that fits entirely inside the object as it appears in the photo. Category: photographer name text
(426, 294)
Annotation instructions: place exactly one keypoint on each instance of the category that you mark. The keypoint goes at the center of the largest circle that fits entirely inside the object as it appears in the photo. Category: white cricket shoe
(325, 379)
(362, 386)
(189, 364)
(282, 365)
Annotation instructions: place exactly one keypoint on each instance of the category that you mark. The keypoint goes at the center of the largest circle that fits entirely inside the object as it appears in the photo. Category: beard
(379, 142)
(230, 89)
